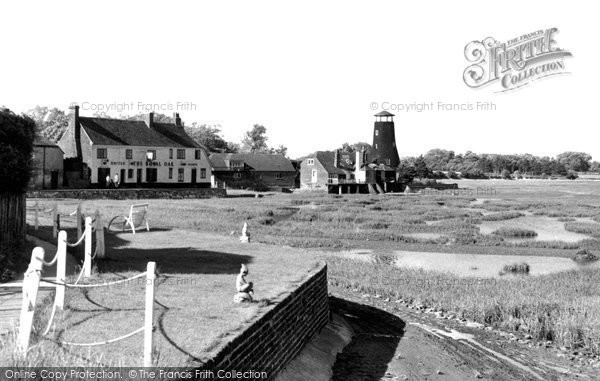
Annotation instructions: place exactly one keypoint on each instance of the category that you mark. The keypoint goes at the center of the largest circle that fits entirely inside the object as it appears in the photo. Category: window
(171, 153)
(375, 146)
(376, 132)
(237, 175)
(128, 154)
(170, 173)
(198, 154)
(202, 173)
(151, 154)
(180, 175)
(181, 154)
(236, 164)
(130, 173)
(102, 153)
(310, 162)
(279, 176)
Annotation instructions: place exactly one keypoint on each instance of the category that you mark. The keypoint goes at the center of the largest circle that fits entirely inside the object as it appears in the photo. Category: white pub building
(133, 153)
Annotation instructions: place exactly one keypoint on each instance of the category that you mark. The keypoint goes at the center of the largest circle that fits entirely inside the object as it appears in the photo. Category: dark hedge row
(16, 146)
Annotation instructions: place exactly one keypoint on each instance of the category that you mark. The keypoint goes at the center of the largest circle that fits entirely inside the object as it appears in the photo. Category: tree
(16, 147)
(405, 172)
(575, 161)
(421, 169)
(210, 137)
(255, 140)
(595, 166)
(50, 123)
(280, 150)
(437, 159)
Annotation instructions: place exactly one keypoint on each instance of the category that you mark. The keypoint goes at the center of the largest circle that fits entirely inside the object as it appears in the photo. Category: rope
(50, 321)
(80, 274)
(76, 243)
(103, 342)
(74, 285)
(53, 261)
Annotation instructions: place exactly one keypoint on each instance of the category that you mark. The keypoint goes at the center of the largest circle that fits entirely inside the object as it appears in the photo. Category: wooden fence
(12, 219)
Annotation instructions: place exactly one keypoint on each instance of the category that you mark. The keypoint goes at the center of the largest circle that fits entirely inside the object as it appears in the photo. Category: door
(314, 177)
(139, 176)
(53, 179)
(103, 173)
(194, 171)
(122, 177)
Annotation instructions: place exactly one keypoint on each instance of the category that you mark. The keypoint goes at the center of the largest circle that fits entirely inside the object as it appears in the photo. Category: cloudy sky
(313, 73)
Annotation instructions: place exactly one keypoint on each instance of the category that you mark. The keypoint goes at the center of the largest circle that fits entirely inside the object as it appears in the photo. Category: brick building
(136, 153)
(326, 167)
(252, 170)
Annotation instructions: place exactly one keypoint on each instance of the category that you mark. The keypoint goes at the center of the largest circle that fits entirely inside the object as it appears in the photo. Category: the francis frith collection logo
(515, 63)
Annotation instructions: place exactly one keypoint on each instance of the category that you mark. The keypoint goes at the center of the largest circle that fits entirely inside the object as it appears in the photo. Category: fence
(31, 283)
(12, 219)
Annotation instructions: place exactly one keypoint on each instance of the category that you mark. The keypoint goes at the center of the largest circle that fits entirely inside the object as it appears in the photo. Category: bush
(506, 231)
(16, 147)
(584, 256)
(515, 268)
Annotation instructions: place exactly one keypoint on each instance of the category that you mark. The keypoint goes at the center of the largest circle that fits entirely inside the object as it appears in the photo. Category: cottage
(132, 153)
(252, 170)
(47, 165)
(326, 167)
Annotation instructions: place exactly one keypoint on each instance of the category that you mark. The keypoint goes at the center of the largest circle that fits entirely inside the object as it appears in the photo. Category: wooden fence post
(55, 221)
(87, 261)
(99, 236)
(78, 219)
(37, 215)
(149, 318)
(61, 269)
(31, 283)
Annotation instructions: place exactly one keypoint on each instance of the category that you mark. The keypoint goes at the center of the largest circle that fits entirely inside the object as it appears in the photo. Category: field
(562, 307)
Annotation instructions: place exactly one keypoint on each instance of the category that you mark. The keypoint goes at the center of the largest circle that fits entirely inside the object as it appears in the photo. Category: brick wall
(128, 193)
(278, 336)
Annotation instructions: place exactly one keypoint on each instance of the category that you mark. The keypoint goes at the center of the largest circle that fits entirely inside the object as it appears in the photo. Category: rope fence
(31, 284)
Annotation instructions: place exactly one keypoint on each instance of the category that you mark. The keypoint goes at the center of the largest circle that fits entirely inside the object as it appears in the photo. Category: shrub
(16, 147)
(515, 268)
(584, 256)
(506, 231)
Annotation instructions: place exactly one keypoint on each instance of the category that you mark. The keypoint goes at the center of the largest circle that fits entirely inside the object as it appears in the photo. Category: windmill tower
(384, 140)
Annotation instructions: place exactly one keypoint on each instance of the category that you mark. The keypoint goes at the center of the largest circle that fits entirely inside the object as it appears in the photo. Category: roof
(384, 113)
(105, 131)
(326, 158)
(263, 162)
(41, 141)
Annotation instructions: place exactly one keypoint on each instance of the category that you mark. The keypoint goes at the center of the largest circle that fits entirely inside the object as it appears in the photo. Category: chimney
(360, 160)
(76, 128)
(177, 119)
(336, 158)
(149, 119)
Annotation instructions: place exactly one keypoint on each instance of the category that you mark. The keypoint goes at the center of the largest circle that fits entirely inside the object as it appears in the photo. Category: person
(116, 180)
(241, 284)
(108, 181)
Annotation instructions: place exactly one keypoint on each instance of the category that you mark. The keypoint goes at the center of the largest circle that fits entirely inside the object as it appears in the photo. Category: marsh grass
(589, 228)
(501, 216)
(514, 232)
(561, 307)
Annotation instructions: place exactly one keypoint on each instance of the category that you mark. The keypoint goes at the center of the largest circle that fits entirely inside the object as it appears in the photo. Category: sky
(312, 72)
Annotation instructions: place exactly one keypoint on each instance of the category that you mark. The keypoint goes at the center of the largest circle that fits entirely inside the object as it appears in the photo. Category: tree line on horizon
(436, 163)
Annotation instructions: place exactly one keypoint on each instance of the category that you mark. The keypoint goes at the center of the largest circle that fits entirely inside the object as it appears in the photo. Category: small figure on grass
(245, 237)
(245, 289)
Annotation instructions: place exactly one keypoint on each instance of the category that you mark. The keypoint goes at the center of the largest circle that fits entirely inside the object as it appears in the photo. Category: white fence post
(99, 236)
(61, 269)
(31, 284)
(149, 319)
(87, 261)
(54, 221)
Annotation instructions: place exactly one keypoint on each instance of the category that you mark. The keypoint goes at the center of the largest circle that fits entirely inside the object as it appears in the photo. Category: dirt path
(396, 343)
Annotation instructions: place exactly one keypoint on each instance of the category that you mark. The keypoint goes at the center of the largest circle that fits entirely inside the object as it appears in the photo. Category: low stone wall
(128, 193)
(271, 342)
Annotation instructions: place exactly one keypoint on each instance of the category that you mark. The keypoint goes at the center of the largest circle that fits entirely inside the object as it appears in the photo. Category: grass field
(564, 307)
